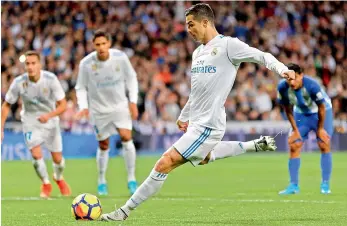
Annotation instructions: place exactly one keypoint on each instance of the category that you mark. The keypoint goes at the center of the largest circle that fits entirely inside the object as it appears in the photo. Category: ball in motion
(86, 207)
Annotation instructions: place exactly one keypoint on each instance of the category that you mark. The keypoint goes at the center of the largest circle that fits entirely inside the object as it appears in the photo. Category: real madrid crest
(214, 52)
(117, 68)
(45, 91)
(94, 67)
(25, 85)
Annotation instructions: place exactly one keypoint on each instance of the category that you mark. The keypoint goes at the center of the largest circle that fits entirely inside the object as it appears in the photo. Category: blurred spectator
(312, 34)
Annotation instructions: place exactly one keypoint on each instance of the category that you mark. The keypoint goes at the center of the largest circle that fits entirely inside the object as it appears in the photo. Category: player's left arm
(132, 86)
(239, 52)
(318, 97)
(59, 96)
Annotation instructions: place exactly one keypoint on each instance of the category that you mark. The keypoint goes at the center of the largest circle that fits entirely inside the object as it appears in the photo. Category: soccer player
(312, 111)
(103, 79)
(203, 119)
(43, 101)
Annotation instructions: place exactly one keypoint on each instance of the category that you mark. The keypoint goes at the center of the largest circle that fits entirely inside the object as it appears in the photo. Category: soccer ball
(86, 207)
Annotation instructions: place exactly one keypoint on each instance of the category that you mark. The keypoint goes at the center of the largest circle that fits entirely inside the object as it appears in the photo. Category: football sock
(148, 188)
(58, 169)
(294, 165)
(41, 170)
(129, 154)
(326, 166)
(102, 162)
(225, 149)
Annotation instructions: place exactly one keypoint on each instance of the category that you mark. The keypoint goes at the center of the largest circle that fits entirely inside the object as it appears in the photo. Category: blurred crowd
(311, 34)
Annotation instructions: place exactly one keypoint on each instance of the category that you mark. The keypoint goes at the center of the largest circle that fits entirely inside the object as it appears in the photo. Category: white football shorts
(50, 137)
(197, 142)
(106, 126)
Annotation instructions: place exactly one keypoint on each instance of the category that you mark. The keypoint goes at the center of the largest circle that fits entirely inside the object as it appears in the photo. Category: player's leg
(41, 171)
(102, 156)
(129, 154)
(54, 145)
(225, 149)
(33, 138)
(194, 146)
(326, 155)
(170, 160)
(295, 143)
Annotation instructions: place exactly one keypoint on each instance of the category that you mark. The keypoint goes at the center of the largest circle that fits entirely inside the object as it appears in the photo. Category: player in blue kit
(312, 111)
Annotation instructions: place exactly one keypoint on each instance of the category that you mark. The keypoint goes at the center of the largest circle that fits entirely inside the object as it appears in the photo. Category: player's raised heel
(117, 215)
(265, 143)
(64, 188)
(325, 188)
(46, 190)
(290, 190)
(102, 189)
(132, 186)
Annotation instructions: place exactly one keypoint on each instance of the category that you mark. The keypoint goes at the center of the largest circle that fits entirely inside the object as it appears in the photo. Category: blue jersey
(305, 99)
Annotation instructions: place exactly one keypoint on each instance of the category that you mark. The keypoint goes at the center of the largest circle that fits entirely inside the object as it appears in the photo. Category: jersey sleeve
(316, 92)
(57, 90)
(81, 88)
(282, 93)
(131, 81)
(185, 113)
(12, 93)
(239, 52)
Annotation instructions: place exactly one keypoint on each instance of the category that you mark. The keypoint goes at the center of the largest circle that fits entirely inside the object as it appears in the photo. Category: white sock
(225, 149)
(148, 188)
(102, 162)
(41, 170)
(129, 154)
(58, 169)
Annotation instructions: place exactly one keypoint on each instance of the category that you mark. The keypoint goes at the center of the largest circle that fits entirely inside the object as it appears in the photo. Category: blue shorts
(308, 122)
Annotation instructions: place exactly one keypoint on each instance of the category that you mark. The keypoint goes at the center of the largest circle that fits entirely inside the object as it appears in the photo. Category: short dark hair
(32, 53)
(201, 11)
(101, 33)
(295, 68)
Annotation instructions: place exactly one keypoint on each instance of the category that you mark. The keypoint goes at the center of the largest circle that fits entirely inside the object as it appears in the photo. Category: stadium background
(311, 34)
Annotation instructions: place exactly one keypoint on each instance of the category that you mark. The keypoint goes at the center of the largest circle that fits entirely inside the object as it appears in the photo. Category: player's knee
(126, 136)
(295, 149)
(103, 144)
(36, 153)
(324, 147)
(164, 164)
(168, 161)
(57, 157)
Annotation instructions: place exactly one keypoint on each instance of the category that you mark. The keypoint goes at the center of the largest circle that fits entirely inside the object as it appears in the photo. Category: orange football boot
(46, 190)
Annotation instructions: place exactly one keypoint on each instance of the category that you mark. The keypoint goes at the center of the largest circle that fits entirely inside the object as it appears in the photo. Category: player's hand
(289, 75)
(2, 135)
(44, 118)
(294, 136)
(134, 112)
(82, 114)
(182, 125)
(323, 135)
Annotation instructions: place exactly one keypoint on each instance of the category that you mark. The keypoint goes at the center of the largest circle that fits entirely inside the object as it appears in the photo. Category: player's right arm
(82, 92)
(183, 119)
(283, 99)
(10, 98)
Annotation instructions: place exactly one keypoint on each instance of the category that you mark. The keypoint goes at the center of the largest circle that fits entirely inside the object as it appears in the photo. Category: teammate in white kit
(43, 101)
(103, 79)
(214, 66)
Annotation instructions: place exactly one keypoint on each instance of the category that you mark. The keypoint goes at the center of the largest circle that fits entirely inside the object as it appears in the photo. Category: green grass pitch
(235, 191)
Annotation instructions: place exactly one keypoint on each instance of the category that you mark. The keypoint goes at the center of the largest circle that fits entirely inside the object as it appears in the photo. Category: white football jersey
(213, 72)
(101, 85)
(38, 97)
